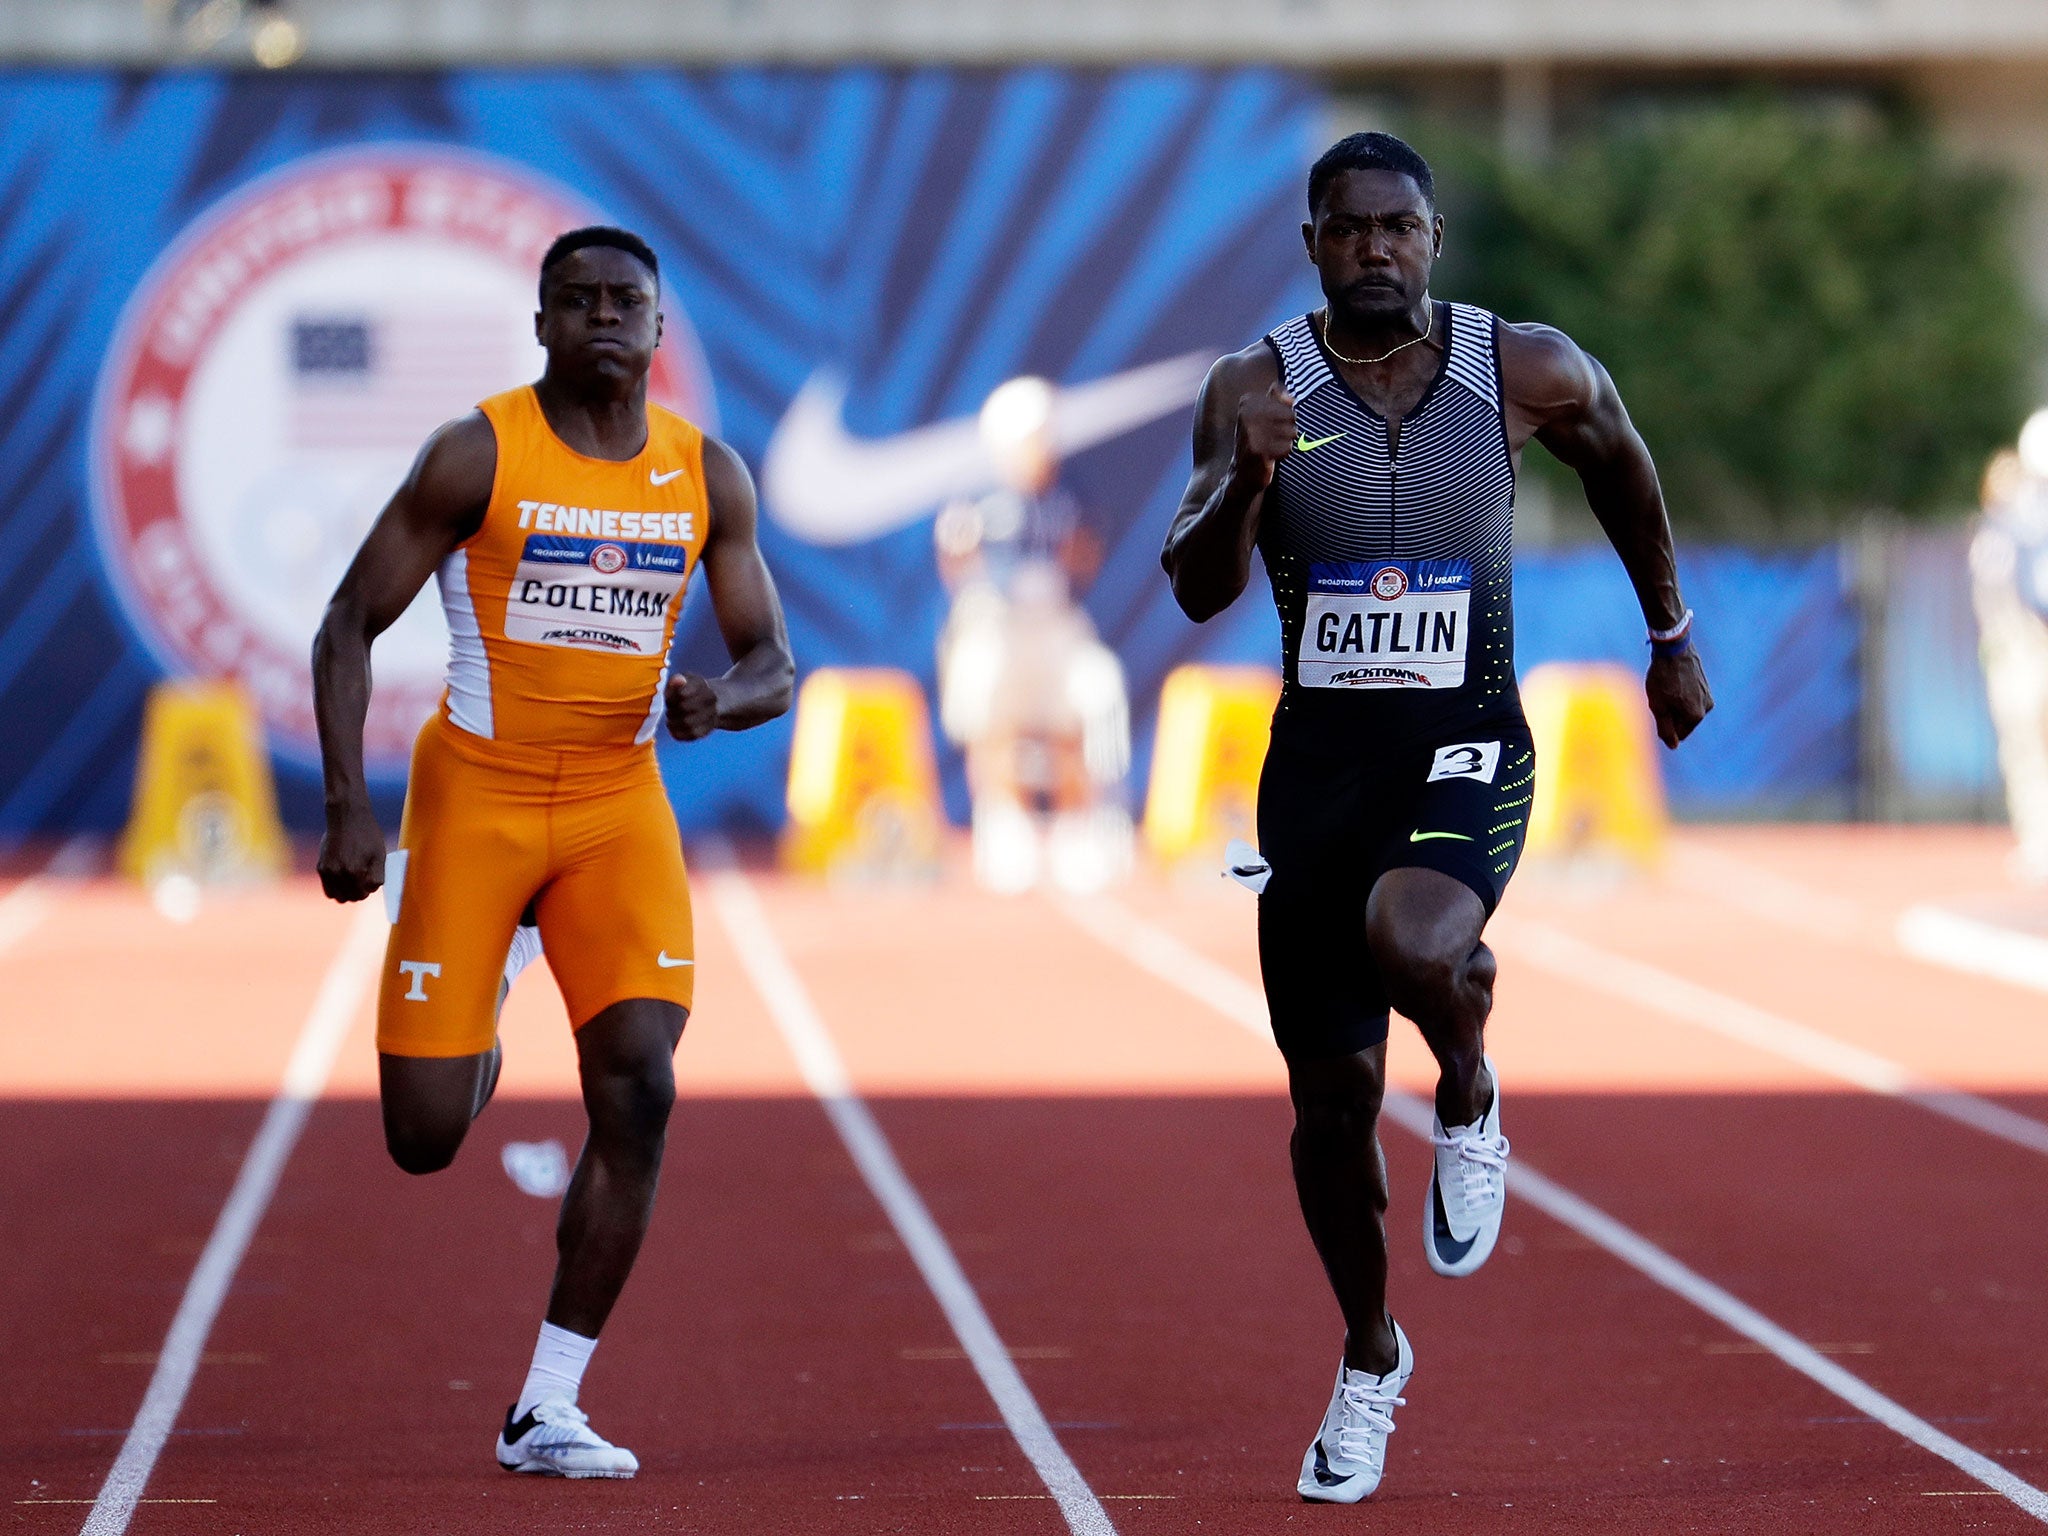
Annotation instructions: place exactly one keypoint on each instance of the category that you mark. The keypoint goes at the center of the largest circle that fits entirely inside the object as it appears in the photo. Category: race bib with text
(595, 594)
(1386, 624)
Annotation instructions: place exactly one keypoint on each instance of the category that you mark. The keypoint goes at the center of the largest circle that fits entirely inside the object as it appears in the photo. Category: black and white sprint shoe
(1468, 1189)
(554, 1439)
(1349, 1453)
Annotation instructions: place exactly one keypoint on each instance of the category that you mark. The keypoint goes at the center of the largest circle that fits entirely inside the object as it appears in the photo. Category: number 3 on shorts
(1466, 760)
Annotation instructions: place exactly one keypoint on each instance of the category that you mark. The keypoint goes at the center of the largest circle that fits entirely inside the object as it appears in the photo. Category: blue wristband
(1675, 641)
(1667, 649)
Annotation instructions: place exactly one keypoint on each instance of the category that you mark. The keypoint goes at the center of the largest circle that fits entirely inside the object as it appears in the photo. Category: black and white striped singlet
(1393, 573)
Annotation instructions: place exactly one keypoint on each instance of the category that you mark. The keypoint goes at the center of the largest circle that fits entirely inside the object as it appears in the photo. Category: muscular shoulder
(1544, 372)
(461, 455)
(1250, 372)
(729, 489)
(452, 479)
(1241, 373)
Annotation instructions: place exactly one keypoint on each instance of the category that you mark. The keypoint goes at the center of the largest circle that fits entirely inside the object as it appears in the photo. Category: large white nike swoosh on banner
(829, 487)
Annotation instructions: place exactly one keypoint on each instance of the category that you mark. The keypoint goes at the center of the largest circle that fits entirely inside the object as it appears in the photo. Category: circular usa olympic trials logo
(608, 559)
(273, 376)
(1389, 582)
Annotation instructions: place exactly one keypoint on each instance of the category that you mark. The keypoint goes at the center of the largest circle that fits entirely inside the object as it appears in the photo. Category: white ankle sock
(557, 1370)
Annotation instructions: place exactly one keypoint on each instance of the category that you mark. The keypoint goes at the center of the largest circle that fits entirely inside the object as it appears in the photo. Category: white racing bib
(1386, 624)
(595, 594)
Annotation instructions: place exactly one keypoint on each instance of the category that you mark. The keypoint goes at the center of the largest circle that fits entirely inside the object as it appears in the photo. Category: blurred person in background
(2009, 585)
(1026, 687)
(1369, 451)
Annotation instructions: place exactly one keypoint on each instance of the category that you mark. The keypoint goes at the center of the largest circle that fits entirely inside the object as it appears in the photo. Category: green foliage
(1810, 316)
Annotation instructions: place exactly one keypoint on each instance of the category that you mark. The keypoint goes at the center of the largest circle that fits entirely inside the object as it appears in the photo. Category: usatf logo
(273, 375)
(608, 559)
(1389, 582)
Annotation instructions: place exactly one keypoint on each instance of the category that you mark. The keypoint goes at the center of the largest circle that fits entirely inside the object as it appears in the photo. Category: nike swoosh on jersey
(827, 486)
(663, 479)
(1423, 837)
(661, 959)
(1302, 443)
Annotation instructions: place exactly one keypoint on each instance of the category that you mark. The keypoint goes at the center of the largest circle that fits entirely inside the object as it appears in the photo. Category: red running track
(1106, 1156)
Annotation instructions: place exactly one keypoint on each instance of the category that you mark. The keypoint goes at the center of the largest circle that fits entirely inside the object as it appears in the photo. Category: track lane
(113, 1184)
(1842, 1216)
(1003, 981)
(777, 1363)
(1165, 1207)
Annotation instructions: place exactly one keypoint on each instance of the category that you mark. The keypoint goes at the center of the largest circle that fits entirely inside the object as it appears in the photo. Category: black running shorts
(1332, 820)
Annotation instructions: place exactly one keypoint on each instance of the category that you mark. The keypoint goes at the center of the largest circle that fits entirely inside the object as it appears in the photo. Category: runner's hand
(1266, 432)
(352, 855)
(1679, 696)
(692, 706)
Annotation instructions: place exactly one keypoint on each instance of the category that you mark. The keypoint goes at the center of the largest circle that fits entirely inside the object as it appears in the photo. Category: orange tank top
(562, 605)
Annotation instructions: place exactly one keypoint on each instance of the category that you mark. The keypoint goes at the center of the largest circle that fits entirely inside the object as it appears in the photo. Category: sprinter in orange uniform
(563, 521)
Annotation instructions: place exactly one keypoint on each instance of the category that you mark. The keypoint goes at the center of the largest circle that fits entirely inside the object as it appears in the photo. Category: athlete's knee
(1421, 968)
(1337, 1101)
(642, 1103)
(627, 1059)
(428, 1104)
(630, 1097)
(1481, 968)
(418, 1150)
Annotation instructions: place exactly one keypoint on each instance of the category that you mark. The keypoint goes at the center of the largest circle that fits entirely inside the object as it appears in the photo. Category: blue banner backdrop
(196, 420)
(922, 235)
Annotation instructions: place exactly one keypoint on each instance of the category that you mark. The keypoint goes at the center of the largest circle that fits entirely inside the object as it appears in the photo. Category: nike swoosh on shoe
(1324, 1475)
(1448, 1247)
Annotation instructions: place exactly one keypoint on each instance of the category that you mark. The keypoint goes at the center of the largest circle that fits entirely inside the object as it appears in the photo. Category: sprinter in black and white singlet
(1390, 545)
(1368, 451)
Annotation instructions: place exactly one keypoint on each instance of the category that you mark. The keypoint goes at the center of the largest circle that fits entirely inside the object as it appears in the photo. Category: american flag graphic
(385, 381)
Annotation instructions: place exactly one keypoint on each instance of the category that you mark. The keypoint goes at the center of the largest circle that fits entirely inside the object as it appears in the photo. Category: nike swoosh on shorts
(662, 960)
(1423, 837)
(827, 486)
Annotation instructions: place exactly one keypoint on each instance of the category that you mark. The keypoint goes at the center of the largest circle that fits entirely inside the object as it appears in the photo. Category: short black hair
(1369, 152)
(597, 234)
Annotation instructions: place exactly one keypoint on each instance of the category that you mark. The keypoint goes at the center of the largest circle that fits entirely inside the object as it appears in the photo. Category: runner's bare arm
(1565, 400)
(757, 685)
(440, 504)
(1244, 426)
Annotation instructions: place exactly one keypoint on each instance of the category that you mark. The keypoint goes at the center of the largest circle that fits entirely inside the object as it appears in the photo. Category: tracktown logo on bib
(1360, 677)
(272, 376)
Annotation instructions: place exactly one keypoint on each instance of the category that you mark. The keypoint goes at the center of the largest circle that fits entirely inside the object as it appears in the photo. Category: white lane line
(1927, 932)
(305, 1076)
(824, 1071)
(22, 911)
(1977, 948)
(23, 908)
(1648, 986)
(1766, 894)
(1167, 957)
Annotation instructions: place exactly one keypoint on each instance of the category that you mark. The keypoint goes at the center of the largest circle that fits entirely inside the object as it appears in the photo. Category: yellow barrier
(1599, 790)
(1214, 723)
(863, 790)
(205, 807)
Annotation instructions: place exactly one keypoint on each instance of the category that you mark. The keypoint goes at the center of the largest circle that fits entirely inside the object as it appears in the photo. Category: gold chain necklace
(1367, 362)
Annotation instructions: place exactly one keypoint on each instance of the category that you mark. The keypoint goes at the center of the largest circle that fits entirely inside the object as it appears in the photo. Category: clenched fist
(351, 854)
(1679, 696)
(692, 705)
(1266, 432)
